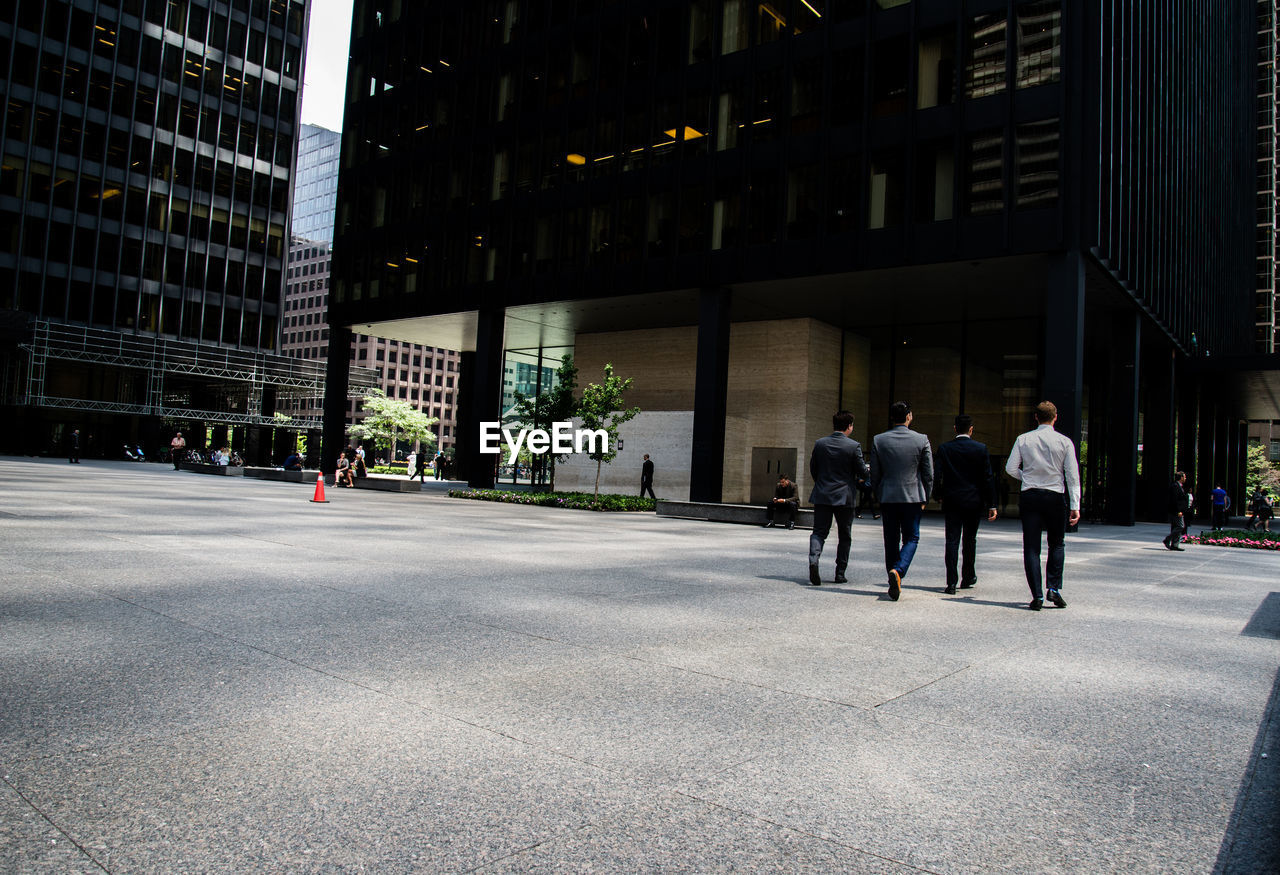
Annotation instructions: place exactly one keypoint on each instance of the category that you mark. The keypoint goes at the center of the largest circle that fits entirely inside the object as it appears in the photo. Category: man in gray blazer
(836, 466)
(902, 478)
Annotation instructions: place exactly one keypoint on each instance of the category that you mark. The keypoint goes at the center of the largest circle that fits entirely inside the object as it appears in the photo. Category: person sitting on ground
(784, 503)
(294, 462)
(343, 477)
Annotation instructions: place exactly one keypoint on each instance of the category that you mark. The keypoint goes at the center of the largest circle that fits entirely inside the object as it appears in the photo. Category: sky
(325, 75)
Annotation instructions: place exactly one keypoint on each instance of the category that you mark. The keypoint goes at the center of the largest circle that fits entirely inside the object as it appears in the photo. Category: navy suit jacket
(964, 478)
(836, 466)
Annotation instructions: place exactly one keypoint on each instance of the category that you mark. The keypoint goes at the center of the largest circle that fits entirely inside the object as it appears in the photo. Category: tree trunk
(553, 474)
(596, 497)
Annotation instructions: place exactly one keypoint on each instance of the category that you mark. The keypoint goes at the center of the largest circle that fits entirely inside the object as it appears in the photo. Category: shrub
(1237, 538)
(570, 500)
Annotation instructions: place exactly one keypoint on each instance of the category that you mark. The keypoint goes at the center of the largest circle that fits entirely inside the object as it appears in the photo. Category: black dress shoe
(951, 589)
(1036, 604)
(895, 585)
(1057, 599)
(769, 525)
(813, 576)
(970, 585)
(840, 578)
(790, 526)
(1177, 549)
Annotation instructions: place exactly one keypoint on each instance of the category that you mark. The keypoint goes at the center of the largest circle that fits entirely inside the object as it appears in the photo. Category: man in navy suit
(967, 488)
(836, 466)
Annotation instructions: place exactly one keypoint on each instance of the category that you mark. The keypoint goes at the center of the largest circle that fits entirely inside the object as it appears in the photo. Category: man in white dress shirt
(1045, 462)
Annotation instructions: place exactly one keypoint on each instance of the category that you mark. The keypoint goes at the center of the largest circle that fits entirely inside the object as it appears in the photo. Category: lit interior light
(424, 69)
(393, 264)
(422, 128)
(664, 143)
(444, 62)
(763, 121)
(575, 159)
(605, 157)
(638, 149)
(411, 260)
(811, 9)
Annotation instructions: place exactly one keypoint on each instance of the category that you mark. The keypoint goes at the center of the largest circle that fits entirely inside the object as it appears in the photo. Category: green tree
(602, 408)
(388, 420)
(1259, 471)
(553, 404)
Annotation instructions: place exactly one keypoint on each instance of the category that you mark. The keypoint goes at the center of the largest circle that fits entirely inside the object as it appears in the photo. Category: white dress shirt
(1044, 459)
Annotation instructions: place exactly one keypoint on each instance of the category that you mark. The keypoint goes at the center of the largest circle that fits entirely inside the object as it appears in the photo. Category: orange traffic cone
(319, 496)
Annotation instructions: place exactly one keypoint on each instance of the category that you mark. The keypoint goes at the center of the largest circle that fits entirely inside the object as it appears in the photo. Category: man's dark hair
(1045, 412)
(898, 411)
(783, 477)
(1179, 475)
(964, 422)
(842, 420)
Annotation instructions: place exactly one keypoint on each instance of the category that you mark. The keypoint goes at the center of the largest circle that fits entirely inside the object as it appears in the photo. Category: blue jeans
(901, 534)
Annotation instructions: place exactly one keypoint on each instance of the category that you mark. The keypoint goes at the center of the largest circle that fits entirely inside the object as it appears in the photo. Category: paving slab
(215, 674)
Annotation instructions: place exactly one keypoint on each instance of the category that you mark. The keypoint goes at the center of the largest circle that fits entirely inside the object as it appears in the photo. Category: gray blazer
(901, 466)
(836, 467)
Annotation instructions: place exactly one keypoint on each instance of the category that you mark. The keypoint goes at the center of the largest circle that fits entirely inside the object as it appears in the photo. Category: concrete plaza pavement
(208, 674)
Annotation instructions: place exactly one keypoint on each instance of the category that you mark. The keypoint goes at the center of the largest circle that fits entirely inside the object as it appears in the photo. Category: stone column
(1064, 341)
(1122, 431)
(710, 398)
(336, 383)
(479, 398)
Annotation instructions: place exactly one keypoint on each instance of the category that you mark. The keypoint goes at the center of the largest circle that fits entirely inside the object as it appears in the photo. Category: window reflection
(1038, 164)
(986, 173)
(1039, 43)
(985, 67)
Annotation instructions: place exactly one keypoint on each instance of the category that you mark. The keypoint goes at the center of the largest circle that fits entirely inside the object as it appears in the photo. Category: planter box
(749, 514)
(216, 470)
(386, 484)
(280, 474)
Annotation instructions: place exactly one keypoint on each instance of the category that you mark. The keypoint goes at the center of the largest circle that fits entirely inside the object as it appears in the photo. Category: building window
(936, 74)
(1038, 164)
(986, 173)
(935, 181)
(884, 191)
(1039, 43)
(985, 64)
(890, 70)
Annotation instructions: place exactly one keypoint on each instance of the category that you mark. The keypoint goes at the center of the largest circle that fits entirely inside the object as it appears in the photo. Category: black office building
(147, 155)
(765, 211)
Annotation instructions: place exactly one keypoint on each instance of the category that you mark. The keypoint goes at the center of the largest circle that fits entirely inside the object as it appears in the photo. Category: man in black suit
(836, 466)
(968, 491)
(1178, 505)
(73, 447)
(646, 478)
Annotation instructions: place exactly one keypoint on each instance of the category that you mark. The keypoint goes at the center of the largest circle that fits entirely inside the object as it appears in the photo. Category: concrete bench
(749, 514)
(388, 484)
(280, 474)
(219, 470)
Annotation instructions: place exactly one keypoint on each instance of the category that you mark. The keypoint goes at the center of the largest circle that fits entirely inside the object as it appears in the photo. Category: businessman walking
(902, 477)
(967, 488)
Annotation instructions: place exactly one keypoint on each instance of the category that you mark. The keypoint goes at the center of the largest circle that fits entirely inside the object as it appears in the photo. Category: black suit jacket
(962, 475)
(646, 471)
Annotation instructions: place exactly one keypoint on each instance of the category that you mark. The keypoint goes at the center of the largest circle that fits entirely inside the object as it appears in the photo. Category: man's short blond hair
(1045, 411)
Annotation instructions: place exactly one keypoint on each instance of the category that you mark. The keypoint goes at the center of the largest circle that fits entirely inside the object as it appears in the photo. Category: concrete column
(1158, 429)
(1241, 471)
(1064, 341)
(1205, 451)
(710, 396)
(1122, 419)
(479, 398)
(336, 384)
(1224, 452)
(1188, 418)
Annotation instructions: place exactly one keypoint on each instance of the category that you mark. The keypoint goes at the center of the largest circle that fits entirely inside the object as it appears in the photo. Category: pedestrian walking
(73, 447)
(902, 479)
(177, 448)
(1221, 503)
(646, 478)
(967, 488)
(1179, 503)
(1045, 462)
(836, 466)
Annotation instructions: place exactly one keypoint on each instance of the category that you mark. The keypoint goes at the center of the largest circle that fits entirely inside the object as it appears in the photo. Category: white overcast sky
(325, 75)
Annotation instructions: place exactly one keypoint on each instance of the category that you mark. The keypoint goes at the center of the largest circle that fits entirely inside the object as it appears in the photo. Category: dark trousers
(177, 456)
(1177, 528)
(823, 514)
(1043, 512)
(1219, 516)
(74, 458)
(866, 502)
(962, 531)
(647, 486)
(901, 524)
(785, 509)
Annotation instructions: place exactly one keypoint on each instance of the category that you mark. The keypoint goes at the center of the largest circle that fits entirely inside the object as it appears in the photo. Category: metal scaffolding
(163, 371)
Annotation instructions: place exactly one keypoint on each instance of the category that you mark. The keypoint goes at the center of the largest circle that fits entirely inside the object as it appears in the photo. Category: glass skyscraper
(144, 199)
